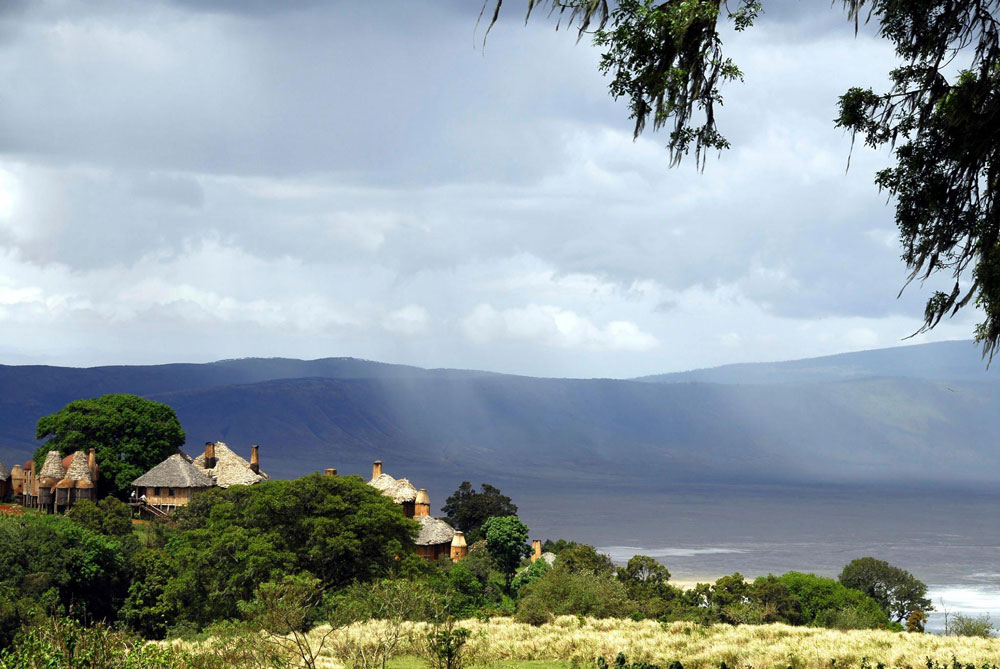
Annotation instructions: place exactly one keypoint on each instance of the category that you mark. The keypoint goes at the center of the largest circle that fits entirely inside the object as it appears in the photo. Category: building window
(156, 491)
(170, 492)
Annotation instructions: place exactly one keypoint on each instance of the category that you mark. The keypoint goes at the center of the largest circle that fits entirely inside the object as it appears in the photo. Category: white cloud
(556, 327)
(412, 319)
(182, 184)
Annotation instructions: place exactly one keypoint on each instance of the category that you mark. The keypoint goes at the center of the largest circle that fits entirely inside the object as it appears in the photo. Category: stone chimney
(209, 454)
(376, 469)
(422, 504)
(459, 549)
(329, 471)
(92, 465)
(255, 459)
(536, 549)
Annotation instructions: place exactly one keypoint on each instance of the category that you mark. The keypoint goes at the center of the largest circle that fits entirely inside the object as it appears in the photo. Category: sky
(192, 181)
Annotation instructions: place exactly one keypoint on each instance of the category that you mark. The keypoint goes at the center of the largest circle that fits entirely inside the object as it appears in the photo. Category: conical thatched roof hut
(52, 468)
(77, 472)
(400, 490)
(434, 532)
(228, 468)
(174, 472)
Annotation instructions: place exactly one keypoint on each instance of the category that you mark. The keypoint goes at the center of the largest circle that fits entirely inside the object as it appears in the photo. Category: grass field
(502, 642)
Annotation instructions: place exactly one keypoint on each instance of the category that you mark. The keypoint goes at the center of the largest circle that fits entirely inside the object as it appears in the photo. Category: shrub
(621, 662)
(67, 644)
(829, 603)
(561, 592)
(963, 625)
(533, 611)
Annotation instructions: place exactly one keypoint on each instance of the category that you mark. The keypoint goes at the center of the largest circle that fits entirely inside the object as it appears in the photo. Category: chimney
(209, 454)
(459, 549)
(376, 469)
(422, 504)
(329, 471)
(92, 465)
(255, 459)
(536, 549)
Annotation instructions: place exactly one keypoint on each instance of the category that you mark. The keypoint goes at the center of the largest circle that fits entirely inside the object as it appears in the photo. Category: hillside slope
(946, 361)
(442, 426)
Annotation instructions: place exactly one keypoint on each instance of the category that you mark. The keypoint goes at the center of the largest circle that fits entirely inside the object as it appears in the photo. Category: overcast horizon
(188, 181)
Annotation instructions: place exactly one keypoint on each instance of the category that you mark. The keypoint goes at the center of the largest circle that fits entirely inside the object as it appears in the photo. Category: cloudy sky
(189, 181)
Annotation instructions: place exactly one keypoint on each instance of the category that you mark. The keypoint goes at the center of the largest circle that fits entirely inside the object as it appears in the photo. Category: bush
(533, 611)
(622, 663)
(49, 564)
(67, 644)
(829, 603)
(962, 625)
(561, 592)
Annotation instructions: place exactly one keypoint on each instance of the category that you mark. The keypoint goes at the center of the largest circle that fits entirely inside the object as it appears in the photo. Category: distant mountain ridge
(949, 361)
(856, 418)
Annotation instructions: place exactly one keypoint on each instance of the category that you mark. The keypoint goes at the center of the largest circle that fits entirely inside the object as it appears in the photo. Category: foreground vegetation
(321, 571)
(569, 639)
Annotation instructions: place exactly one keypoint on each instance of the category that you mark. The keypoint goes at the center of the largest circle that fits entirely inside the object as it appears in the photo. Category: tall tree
(896, 590)
(467, 509)
(941, 121)
(129, 435)
(507, 542)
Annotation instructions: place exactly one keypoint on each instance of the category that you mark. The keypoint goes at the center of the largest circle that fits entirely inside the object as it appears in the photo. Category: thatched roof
(174, 472)
(4, 472)
(548, 557)
(52, 467)
(78, 469)
(400, 490)
(230, 469)
(433, 531)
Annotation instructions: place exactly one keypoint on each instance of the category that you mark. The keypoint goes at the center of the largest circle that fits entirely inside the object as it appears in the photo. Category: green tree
(467, 509)
(50, 564)
(826, 602)
(557, 546)
(108, 516)
(561, 592)
(896, 590)
(585, 558)
(146, 610)
(228, 541)
(507, 542)
(129, 434)
(665, 58)
(776, 602)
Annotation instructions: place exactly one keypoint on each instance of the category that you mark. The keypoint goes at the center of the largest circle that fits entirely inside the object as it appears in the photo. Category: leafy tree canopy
(644, 577)
(826, 602)
(130, 435)
(583, 558)
(467, 509)
(507, 542)
(109, 516)
(896, 590)
(229, 541)
(52, 564)
(939, 116)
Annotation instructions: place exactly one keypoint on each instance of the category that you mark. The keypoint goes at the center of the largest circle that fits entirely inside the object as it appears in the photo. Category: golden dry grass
(502, 640)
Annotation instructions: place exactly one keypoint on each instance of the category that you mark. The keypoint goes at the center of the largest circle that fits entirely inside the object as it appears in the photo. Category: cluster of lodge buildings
(56, 486)
(436, 538)
(172, 483)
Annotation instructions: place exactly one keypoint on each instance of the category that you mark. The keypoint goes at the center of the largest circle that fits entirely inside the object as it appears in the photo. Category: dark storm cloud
(363, 179)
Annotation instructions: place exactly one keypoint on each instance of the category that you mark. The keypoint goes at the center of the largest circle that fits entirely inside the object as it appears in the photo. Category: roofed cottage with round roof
(436, 538)
(61, 481)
